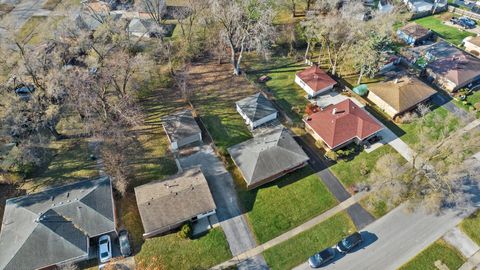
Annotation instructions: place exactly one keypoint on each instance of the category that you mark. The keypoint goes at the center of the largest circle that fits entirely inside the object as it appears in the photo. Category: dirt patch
(8, 191)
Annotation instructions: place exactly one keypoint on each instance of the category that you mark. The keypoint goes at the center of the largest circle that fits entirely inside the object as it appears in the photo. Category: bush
(186, 231)
(331, 155)
(477, 106)
(319, 144)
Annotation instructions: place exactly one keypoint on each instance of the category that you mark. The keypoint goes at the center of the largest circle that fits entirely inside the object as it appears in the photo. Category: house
(422, 8)
(144, 28)
(56, 226)
(472, 45)
(414, 34)
(268, 156)
(181, 129)
(97, 7)
(385, 6)
(340, 124)
(89, 22)
(168, 204)
(451, 68)
(400, 95)
(256, 110)
(314, 81)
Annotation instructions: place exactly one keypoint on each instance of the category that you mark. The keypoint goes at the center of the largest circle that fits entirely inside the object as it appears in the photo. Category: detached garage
(181, 129)
(256, 110)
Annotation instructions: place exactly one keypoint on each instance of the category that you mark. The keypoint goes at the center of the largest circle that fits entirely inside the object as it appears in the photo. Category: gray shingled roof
(267, 154)
(256, 107)
(168, 202)
(180, 125)
(53, 226)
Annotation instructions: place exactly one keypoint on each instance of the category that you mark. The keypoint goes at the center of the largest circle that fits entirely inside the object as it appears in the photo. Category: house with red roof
(314, 81)
(341, 124)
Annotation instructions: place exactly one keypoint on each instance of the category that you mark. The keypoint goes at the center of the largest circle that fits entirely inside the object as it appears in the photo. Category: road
(233, 222)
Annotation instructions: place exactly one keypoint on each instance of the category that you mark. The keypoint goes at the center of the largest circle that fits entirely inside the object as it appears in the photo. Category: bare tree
(155, 9)
(244, 25)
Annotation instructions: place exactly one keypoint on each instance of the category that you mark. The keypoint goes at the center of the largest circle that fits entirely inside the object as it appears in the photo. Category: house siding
(257, 123)
(472, 48)
(276, 176)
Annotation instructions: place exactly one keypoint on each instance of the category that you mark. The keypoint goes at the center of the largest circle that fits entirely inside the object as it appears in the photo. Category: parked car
(471, 23)
(104, 248)
(321, 258)
(125, 248)
(24, 92)
(349, 242)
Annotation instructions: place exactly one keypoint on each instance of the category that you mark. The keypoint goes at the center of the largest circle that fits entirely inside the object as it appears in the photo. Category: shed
(256, 110)
(361, 90)
(314, 81)
(181, 129)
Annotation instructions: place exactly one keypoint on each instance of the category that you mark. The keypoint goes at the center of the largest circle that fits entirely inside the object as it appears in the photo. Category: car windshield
(104, 254)
(123, 241)
(103, 242)
(346, 243)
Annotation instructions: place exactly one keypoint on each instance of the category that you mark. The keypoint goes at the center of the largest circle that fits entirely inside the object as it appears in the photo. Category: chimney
(334, 111)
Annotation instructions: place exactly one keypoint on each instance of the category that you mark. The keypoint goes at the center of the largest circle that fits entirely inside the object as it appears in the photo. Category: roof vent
(334, 111)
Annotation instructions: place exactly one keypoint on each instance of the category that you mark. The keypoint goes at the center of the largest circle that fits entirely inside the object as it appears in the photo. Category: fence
(463, 12)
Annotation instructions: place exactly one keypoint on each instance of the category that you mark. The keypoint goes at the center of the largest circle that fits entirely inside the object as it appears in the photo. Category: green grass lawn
(296, 250)
(438, 251)
(449, 33)
(172, 252)
(471, 227)
(429, 125)
(349, 172)
(471, 100)
(286, 203)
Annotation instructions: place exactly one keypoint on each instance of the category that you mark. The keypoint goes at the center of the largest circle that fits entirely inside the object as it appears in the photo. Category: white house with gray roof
(56, 226)
(256, 110)
(181, 129)
(268, 156)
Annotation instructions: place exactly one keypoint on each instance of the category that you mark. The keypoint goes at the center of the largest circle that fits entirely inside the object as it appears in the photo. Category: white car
(105, 248)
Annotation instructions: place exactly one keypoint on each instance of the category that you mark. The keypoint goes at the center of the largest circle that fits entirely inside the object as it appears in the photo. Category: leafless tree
(155, 9)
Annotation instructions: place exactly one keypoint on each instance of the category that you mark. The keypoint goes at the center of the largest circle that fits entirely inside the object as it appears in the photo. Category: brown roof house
(56, 226)
(414, 34)
(181, 129)
(168, 204)
(472, 45)
(268, 156)
(340, 124)
(314, 81)
(450, 67)
(399, 95)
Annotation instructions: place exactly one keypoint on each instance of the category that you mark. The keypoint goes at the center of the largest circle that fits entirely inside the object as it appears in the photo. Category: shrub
(477, 106)
(319, 144)
(186, 231)
(331, 155)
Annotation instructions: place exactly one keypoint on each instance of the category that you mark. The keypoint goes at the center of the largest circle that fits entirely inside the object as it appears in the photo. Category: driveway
(233, 223)
(21, 13)
(446, 102)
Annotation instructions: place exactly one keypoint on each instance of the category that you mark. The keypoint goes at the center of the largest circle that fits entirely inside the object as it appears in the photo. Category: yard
(449, 33)
(296, 250)
(469, 103)
(38, 29)
(438, 251)
(172, 252)
(286, 203)
(471, 227)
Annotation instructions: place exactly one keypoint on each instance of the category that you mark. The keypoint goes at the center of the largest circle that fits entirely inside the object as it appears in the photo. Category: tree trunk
(360, 76)
(54, 132)
(306, 52)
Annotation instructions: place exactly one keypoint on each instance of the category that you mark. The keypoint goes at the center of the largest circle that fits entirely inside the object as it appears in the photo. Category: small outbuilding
(268, 156)
(414, 34)
(147, 28)
(399, 95)
(256, 110)
(181, 129)
(166, 205)
(314, 81)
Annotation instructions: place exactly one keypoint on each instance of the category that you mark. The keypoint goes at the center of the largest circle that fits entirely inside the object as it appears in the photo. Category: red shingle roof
(348, 121)
(316, 78)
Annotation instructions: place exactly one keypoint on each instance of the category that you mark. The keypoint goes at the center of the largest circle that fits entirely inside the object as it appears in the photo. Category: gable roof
(168, 202)
(403, 93)
(415, 30)
(348, 121)
(267, 154)
(316, 78)
(180, 125)
(144, 26)
(256, 107)
(55, 225)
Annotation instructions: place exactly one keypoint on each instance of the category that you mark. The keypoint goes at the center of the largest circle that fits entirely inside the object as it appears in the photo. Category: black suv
(321, 258)
(125, 248)
(349, 242)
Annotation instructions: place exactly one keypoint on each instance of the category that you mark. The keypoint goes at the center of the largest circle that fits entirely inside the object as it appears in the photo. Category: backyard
(296, 250)
(449, 33)
(274, 208)
(469, 102)
(471, 227)
(439, 251)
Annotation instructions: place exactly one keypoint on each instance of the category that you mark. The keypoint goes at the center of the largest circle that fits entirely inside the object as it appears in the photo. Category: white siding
(264, 120)
(309, 90)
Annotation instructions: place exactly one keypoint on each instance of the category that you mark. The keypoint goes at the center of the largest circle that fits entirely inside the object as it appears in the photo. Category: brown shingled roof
(415, 30)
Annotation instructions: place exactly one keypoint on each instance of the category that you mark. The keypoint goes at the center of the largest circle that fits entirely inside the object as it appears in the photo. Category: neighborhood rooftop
(55, 225)
(180, 125)
(316, 78)
(415, 30)
(256, 107)
(267, 155)
(165, 204)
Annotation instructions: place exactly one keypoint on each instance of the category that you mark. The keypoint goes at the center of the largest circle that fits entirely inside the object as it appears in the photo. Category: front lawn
(438, 251)
(172, 252)
(286, 203)
(356, 170)
(296, 250)
(449, 33)
(470, 102)
(471, 227)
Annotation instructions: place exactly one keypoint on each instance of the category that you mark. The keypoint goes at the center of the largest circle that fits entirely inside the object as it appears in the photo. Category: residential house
(97, 7)
(147, 28)
(181, 129)
(167, 204)
(451, 68)
(268, 156)
(314, 81)
(422, 8)
(472, 45)
(399, 95)
(341, 124)
(256, 110)
(414, 34)
(89, 22)
(56, 226)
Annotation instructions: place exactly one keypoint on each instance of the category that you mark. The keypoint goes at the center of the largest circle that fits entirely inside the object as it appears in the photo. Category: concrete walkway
(292, 233)
(233, 222)
(472, 262)
(394, 141)
(462, 242)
